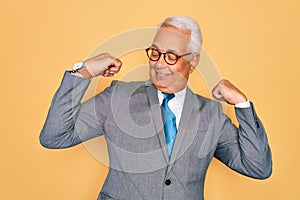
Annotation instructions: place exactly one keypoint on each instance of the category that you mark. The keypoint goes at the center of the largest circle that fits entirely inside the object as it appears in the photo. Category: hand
(103, 64)
(225, 91)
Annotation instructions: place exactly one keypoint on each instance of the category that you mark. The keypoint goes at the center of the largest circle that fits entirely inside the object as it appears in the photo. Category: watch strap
(84, 72)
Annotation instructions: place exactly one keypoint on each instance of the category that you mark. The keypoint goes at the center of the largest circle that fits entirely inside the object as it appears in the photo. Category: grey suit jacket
(129, 116)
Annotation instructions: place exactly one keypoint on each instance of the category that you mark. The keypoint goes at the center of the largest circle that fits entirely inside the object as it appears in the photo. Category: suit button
(168, 182)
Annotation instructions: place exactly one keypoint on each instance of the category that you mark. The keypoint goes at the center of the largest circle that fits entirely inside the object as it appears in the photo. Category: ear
(194, 62)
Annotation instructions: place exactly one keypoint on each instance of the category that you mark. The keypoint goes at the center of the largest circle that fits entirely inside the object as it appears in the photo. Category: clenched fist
(225, 91)
(103, 64)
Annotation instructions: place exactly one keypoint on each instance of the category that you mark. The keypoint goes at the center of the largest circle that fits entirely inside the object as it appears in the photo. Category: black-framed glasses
(170, 57)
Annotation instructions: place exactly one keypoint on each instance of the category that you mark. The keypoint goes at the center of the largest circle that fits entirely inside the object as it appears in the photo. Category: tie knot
(168, 96)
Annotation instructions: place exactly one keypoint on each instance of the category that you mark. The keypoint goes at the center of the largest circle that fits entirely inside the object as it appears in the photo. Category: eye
(171, 56)
(154, 53)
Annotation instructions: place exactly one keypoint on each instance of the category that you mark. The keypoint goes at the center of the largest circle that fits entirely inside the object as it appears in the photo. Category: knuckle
(224, 81)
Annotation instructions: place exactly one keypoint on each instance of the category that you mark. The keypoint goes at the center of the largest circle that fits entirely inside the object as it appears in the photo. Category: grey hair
(186, 24)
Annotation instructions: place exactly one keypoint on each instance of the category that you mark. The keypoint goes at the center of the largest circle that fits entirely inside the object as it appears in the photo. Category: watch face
(77, 66)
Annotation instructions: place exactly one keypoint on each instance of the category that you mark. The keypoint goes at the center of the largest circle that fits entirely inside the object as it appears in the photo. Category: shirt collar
(179, 96)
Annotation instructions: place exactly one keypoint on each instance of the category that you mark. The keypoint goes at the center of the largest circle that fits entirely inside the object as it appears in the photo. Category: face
(172, 78)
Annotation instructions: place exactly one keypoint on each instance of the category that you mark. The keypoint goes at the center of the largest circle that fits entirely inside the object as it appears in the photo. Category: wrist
(85, 73)
(79, 69)
(76, 73)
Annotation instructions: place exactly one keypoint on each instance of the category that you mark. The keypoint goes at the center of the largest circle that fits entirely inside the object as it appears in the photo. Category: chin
(163, 83)
(164, 87)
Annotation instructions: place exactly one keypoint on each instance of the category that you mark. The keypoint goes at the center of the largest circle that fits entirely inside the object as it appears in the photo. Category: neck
(170, 90)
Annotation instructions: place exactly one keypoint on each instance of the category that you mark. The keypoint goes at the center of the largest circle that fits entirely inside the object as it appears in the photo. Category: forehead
(169, 38)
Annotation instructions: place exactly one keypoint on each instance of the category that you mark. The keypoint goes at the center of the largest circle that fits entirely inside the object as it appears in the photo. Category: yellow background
(255, 44)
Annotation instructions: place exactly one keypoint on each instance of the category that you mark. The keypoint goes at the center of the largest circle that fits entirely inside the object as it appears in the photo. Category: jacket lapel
(156, 115)
(188, 126)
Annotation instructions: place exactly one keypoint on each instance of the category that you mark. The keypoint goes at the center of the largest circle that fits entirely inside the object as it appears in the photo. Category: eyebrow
(169, 50)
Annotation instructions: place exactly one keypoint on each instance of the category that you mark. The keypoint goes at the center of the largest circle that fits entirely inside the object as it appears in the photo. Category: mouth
(163, 75)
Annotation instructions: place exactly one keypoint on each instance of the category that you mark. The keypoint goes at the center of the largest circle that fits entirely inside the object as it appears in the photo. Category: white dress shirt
(174, 104)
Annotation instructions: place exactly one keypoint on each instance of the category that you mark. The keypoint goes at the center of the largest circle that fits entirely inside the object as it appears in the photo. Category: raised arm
(69, 122)
(244, 149)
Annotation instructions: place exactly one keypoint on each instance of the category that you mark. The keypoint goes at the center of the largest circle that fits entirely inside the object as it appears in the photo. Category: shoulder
(118, 83)
(207, 104)
(129, 88)
(206, 100)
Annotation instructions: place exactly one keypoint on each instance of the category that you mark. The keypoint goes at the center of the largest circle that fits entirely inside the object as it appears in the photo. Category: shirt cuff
(245, 104)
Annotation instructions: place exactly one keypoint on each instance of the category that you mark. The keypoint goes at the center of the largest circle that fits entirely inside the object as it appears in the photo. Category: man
(161, 136)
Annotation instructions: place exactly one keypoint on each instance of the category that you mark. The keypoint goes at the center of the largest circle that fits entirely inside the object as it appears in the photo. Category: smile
(163, 75)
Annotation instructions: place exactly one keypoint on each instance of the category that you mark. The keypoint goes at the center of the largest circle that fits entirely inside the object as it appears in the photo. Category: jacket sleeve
(69, 122)
(245, 149)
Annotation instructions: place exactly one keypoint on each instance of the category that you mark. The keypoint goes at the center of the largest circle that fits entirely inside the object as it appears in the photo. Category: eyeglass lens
(169, 57)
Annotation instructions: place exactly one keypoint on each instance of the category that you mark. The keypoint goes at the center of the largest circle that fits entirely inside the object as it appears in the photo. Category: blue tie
(169, 122)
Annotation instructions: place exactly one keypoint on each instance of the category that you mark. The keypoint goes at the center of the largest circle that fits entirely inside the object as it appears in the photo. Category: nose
(161, 62)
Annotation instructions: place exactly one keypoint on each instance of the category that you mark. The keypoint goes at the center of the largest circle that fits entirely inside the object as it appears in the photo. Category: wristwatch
(79, 67)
